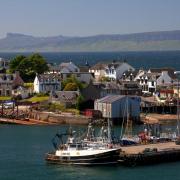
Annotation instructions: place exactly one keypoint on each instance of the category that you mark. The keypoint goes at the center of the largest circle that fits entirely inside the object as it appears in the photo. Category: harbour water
(136, 59)
(22, 150)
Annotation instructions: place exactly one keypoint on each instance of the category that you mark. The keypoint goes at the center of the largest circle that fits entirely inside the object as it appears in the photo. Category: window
(152, 83)
(4, 77)
(7, 92)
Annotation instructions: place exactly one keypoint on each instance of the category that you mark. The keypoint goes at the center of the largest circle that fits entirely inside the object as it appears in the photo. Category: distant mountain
(148, 41)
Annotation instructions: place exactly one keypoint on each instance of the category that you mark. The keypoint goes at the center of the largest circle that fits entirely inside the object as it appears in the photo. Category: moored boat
(88, 151)
(84, 154)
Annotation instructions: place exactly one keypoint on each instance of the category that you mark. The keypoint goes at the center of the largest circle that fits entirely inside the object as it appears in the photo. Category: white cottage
(47, 83)
(113, 71)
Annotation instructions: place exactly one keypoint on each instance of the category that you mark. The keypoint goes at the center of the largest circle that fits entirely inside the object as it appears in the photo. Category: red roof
(167, 91)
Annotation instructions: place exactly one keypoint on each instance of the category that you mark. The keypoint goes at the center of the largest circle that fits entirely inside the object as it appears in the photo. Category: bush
(71, 87)
(42, 94)
(56, 106)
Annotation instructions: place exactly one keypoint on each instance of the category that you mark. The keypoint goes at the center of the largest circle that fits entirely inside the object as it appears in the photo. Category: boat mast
(128, 130)
(178, 108)
(109, 130)
(178, 131)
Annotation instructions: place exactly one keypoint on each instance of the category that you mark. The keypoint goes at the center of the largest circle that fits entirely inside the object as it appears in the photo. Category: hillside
(148, 41)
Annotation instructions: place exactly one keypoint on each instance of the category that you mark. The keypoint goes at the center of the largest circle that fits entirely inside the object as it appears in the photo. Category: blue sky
(87, 17)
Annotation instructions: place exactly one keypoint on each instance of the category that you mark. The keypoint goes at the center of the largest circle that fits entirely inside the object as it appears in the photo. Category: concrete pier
(150, 154)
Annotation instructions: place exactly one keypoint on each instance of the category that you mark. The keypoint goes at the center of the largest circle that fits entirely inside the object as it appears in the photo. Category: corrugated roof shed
(110, 98)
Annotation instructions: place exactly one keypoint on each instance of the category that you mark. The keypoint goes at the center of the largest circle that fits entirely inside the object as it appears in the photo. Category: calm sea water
(136, 59)
(22, 150)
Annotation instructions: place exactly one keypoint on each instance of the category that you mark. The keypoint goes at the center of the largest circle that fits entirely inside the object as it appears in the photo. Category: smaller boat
(126, 137)
(82, 152)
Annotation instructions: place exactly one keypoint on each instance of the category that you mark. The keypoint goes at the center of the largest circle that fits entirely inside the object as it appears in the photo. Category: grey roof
(67, 96)
(150, 76)
(7, 77)
(50, 77)
(110, 98)
(128, 73)
(169, 70)
(103, 65)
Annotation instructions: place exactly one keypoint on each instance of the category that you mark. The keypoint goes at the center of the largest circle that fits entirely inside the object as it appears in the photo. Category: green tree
(79, 103)
(28, 66)
(74, 80)
(71, 87)
(14, 63)
(39, 63)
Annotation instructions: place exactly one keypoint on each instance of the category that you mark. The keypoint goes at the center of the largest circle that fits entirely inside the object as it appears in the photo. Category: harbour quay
(149, 154)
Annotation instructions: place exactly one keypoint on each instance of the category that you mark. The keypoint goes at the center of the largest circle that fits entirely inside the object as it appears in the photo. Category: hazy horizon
(87, 18)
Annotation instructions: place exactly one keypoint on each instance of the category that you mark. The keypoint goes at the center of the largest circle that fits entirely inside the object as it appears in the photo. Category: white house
(113, 71)
(149, 80)
(21, 91)
(47, 83)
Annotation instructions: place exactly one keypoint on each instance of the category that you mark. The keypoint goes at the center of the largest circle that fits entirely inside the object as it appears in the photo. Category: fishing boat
(83, 152)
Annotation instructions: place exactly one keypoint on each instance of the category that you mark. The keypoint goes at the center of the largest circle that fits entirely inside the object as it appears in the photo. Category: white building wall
(36, 85)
